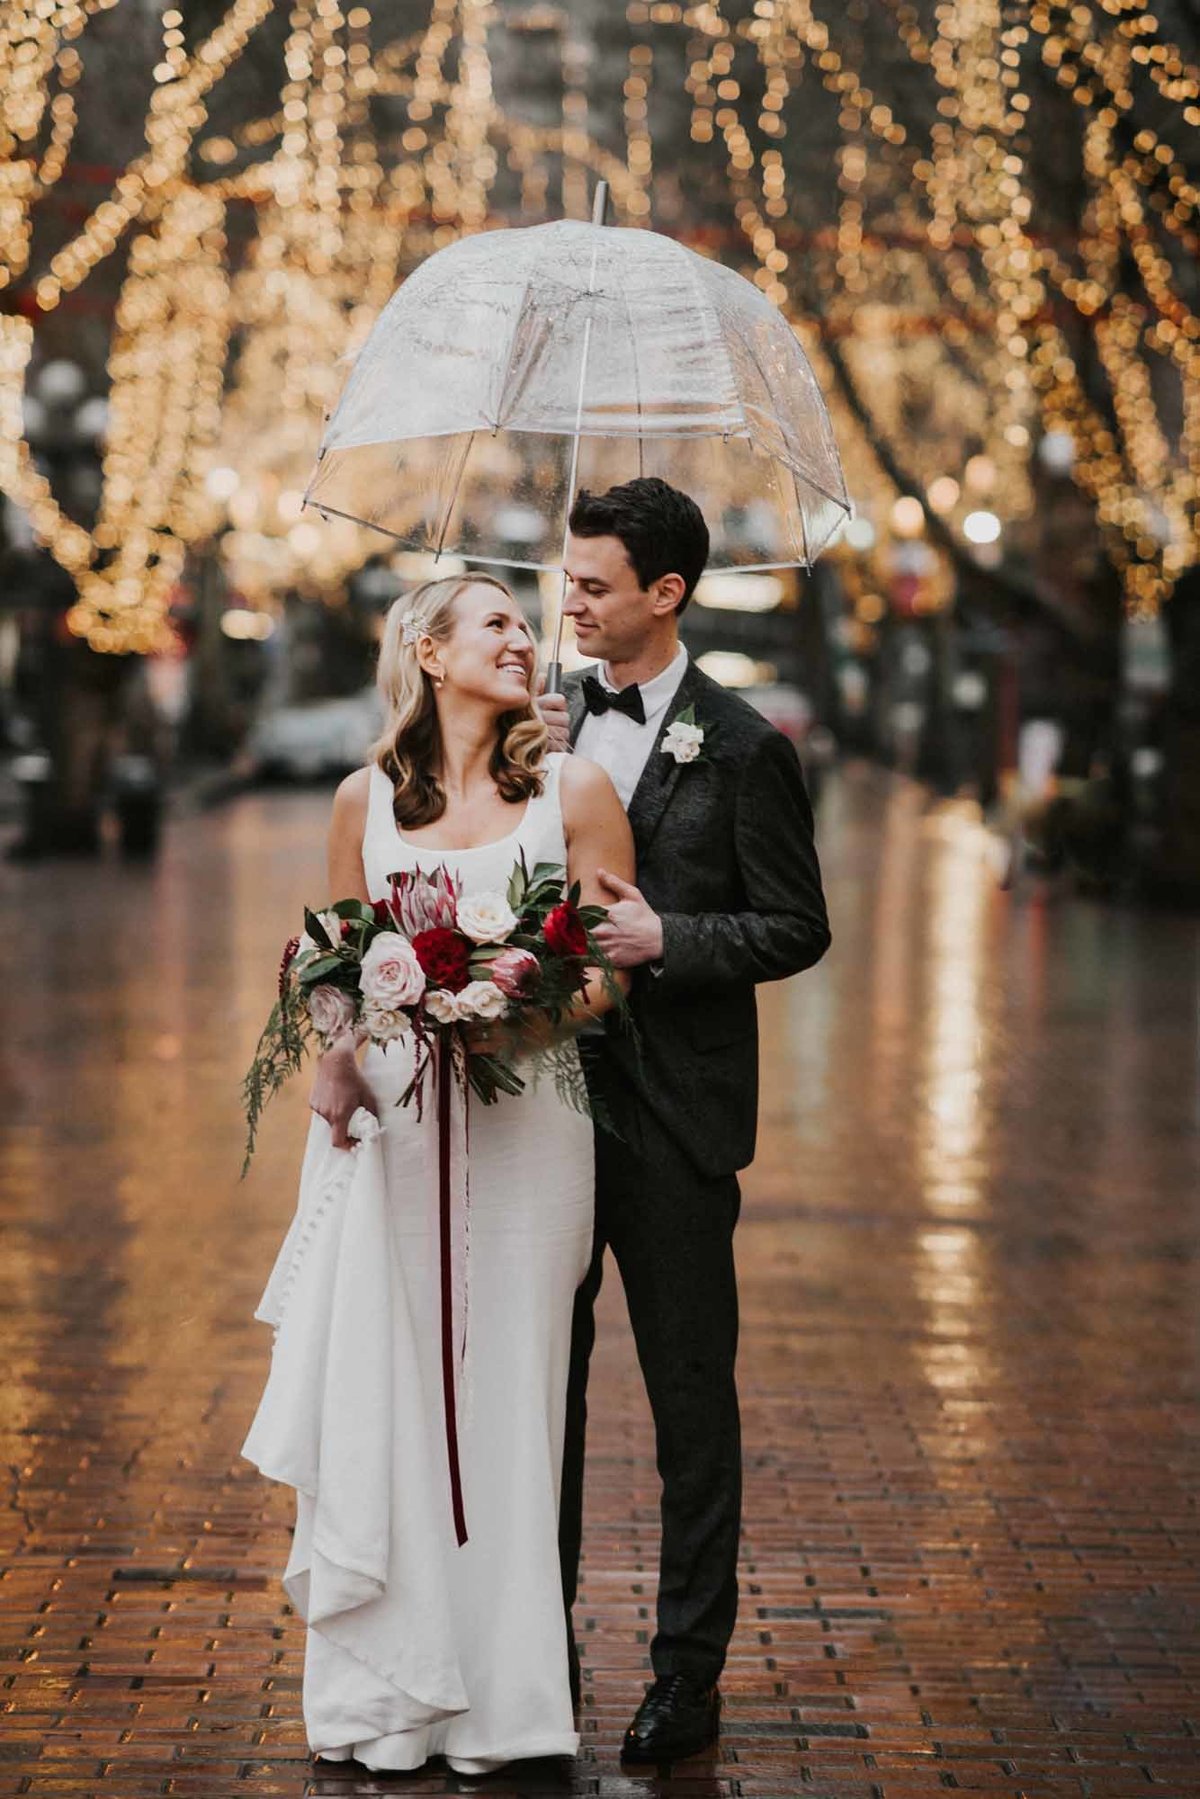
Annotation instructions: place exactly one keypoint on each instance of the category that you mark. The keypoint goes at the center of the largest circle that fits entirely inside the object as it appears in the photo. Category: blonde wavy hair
(410, 749)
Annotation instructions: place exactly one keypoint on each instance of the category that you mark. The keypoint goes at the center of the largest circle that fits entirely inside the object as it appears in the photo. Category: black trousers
(670, 1229)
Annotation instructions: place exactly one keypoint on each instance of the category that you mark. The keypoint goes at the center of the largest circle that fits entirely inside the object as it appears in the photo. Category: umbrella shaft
(573, 472)
(554, 671)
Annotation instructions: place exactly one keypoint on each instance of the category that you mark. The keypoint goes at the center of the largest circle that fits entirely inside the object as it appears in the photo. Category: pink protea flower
(515, 972)
(424, 902)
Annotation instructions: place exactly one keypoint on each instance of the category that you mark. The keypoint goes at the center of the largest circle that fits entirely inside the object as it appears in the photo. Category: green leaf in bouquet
(518, 883)
(591, 916)
(573, 894)
(354, 909)
(490, 1076)
(316, 929)
(320, 968)
(279, 1054)
(547, 871)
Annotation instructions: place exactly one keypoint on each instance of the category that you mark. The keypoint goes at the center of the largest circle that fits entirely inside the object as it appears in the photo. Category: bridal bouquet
(429, 964)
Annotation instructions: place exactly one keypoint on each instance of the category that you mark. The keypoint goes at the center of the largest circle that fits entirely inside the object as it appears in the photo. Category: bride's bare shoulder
(584, 781)
(350, 800)
(585, 789)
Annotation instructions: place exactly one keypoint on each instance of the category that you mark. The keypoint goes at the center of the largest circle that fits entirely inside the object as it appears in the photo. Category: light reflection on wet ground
(968, 1259)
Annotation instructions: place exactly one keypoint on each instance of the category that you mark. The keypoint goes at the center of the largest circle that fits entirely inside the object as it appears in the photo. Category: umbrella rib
(835, 499)
(512, 351)
(803, 520)
(368, 524)
(802, 473)
(444, 524)
(753, 355)
(708, 306)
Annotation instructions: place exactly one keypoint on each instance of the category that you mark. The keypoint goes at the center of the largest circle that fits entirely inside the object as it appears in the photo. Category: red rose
(382, 912)
(445, 957)
(564, 931)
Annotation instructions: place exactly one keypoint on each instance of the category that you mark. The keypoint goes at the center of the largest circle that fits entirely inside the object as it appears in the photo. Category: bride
(416, 1646)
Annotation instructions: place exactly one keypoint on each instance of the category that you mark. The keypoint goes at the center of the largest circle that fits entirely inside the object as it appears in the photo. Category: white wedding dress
(415, 1646)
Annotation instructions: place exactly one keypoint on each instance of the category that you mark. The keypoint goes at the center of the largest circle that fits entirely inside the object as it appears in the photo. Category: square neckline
(534, 806)
(470, 849)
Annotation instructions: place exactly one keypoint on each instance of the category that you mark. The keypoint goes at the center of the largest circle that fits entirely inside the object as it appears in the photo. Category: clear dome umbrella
(515, 367)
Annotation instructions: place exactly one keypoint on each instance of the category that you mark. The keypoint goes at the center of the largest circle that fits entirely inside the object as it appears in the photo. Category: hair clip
(414, 627)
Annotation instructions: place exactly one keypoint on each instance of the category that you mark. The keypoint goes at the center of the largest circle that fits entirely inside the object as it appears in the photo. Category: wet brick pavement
(969, 1265)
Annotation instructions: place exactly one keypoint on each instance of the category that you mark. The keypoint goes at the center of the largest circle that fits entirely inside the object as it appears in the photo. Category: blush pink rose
(515, 972)
(443, 1007)
(331, 1010)
(482, 999)
(391, 975)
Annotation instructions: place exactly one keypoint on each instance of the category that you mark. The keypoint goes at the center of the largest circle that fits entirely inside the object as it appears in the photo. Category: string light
(1011, 367)
(334, 232)
(639, 152)
(926, 274)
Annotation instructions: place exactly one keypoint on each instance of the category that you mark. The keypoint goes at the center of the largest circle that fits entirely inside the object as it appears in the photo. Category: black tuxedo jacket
(725, 855)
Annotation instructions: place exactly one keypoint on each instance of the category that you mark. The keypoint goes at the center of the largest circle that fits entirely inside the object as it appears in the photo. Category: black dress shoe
(678, 1717)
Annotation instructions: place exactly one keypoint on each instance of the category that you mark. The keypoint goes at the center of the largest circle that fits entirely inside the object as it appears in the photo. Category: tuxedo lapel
(661, 773)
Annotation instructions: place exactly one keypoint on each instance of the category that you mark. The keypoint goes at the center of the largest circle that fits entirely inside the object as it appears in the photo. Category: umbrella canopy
(514, 367)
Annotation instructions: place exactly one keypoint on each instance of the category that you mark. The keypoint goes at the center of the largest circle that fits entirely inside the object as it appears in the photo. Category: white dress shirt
(617, 742)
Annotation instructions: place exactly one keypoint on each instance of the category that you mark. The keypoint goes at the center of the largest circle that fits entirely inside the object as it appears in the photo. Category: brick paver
(968, 1258)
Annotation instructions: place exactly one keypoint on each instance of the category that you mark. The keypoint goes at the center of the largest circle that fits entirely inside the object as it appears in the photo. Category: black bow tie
(598, 699)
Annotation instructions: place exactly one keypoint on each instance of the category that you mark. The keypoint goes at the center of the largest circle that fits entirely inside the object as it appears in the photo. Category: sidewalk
(970, 1361)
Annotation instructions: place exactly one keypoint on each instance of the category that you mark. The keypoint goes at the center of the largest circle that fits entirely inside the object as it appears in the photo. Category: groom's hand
(632, 932)
(553, 708)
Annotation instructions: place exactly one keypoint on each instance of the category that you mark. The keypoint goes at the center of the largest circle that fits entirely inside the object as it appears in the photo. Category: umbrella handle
(554, 678)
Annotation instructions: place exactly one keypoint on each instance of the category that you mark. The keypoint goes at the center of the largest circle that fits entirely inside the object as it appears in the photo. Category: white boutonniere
(684, 738)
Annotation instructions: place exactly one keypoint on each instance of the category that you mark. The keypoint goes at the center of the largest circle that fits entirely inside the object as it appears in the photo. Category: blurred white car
(317, 738)
(784, 706)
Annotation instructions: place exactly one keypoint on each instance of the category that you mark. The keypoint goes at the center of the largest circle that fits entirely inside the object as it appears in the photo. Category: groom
(728, 894)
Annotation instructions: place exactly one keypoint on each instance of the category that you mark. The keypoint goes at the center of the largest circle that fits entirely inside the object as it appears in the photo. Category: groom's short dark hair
(663, 530)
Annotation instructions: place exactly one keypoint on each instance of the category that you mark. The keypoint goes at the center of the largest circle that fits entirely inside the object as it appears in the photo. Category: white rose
(333, 926)
(482, 999)
(383, 1024)
(331, 1010)
(307, 946)
(486, 917)
(391, 975)
(683, 742)
(442, 1006)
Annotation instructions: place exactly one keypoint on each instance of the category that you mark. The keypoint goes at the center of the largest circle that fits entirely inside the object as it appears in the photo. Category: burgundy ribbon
(445, 1061)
